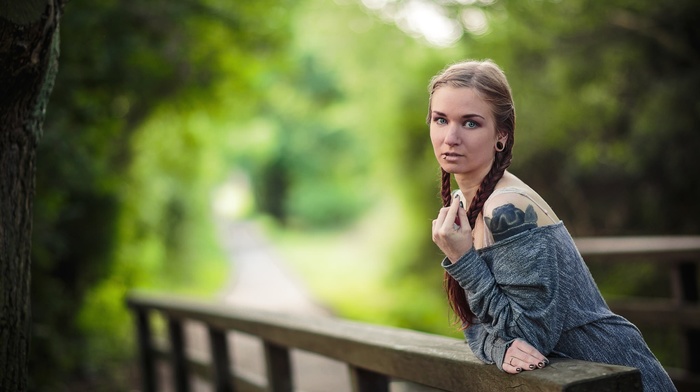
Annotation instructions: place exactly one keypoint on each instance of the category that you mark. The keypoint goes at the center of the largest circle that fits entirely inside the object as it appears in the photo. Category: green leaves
(322, 104)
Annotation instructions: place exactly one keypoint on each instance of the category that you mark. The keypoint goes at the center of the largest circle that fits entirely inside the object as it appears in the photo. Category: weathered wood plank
(659, 248)
(657, 312)
(407, 354)
(431, 360)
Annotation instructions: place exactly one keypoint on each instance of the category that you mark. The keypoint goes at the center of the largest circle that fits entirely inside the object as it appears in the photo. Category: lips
(450, 156)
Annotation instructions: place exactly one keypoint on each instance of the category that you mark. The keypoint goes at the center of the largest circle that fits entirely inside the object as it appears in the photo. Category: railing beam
(436, 361)
(375, 355)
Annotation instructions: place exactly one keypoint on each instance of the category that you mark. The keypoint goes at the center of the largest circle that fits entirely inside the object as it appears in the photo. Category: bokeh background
(308, 117)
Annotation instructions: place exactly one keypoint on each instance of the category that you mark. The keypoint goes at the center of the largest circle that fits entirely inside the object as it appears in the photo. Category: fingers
(454, 240)
(462, 215)
(439, 222)
(447, 216)
(529, 355)
(514, 365)
(511, 369)
(451, 217)
(522, 356)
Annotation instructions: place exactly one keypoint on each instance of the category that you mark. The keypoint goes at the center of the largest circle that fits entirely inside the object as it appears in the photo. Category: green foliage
(123, 178)
(607, 109)
(596, 97)
(322, 104)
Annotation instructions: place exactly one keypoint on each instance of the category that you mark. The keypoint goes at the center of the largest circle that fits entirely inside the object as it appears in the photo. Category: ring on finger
(455, 226)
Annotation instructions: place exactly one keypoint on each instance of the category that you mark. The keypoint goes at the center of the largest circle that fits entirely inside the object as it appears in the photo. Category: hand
(522, 356)
(452, 238)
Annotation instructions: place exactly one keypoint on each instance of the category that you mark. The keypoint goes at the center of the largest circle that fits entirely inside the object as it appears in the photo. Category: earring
(500, 146)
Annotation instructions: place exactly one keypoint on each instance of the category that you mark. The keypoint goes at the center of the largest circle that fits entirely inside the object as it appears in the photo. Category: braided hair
(490, 83)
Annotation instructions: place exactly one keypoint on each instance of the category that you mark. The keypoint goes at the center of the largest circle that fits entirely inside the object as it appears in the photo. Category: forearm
(523, 309)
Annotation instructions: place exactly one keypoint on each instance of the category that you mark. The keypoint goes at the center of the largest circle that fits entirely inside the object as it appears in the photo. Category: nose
(452, 137)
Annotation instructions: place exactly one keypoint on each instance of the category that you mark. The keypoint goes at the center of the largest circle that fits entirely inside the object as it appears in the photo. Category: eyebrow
(464, 117)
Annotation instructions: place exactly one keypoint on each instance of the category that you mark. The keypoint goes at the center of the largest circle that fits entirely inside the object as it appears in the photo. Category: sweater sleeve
(513, 291)
(489, 348)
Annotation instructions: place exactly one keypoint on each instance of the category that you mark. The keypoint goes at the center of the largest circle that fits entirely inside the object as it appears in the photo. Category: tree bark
(28, 65)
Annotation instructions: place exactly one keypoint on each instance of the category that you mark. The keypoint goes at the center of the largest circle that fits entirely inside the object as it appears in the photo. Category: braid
(455, 293)
(445, 188)
(488, 184)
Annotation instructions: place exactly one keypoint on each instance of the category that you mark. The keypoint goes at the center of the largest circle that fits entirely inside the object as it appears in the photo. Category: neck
(469, 183)
(469, 190)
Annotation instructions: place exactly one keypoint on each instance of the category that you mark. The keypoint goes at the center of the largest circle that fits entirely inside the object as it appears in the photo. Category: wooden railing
(679, 256)
(375, 355)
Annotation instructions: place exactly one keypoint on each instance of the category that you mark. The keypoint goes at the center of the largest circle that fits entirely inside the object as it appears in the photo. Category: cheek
(483, 141)
(434, 138)
(437, 136)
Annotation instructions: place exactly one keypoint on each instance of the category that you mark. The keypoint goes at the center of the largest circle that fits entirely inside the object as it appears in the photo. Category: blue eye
(440, 120)
(471, 124)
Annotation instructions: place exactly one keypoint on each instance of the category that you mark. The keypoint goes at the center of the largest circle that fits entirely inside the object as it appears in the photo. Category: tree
(29, 46)
(113, 180)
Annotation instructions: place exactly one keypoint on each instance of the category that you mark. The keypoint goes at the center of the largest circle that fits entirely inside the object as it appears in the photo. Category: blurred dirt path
(261, 280)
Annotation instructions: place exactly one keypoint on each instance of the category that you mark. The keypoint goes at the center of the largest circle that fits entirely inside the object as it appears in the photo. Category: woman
(513, 274)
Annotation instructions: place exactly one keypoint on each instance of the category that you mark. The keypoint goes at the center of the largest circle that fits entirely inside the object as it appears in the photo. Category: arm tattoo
(508, 221)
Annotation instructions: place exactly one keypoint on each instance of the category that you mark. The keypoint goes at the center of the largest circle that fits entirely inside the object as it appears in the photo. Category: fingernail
(457, 196)
(532, 367)
(540, 365)
(518, 370)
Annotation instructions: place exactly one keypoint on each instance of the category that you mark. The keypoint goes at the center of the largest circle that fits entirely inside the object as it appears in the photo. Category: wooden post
(145, 345)
(220, 358)
(685, 287)
(279, 369)
(364, 380)
(177, 347)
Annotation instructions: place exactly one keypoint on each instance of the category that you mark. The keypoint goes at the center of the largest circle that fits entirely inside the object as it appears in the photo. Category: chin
(452, 169)
(449, 170)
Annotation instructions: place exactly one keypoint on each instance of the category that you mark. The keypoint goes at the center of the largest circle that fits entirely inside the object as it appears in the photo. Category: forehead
(459, 100)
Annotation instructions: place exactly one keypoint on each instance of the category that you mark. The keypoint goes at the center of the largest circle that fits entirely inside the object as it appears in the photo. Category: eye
(471, 124)
(440, 120)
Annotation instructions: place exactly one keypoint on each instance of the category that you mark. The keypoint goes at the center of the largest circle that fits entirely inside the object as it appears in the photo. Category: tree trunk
(28, 64)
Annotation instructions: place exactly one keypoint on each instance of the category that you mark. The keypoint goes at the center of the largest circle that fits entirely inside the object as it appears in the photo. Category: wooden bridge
(379, 358)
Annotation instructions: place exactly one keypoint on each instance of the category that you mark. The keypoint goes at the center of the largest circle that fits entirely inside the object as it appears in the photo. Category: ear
(502, 137)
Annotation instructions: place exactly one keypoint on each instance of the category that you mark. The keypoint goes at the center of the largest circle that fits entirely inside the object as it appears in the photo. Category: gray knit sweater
(535, 286)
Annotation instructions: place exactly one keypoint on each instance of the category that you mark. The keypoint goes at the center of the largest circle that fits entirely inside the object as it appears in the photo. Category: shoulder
(513, 211)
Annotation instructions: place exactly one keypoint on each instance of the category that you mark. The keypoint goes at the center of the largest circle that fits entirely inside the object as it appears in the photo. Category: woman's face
(463, 131)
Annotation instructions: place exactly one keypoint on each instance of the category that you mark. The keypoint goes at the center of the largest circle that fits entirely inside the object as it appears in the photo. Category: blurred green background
(319, 107)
